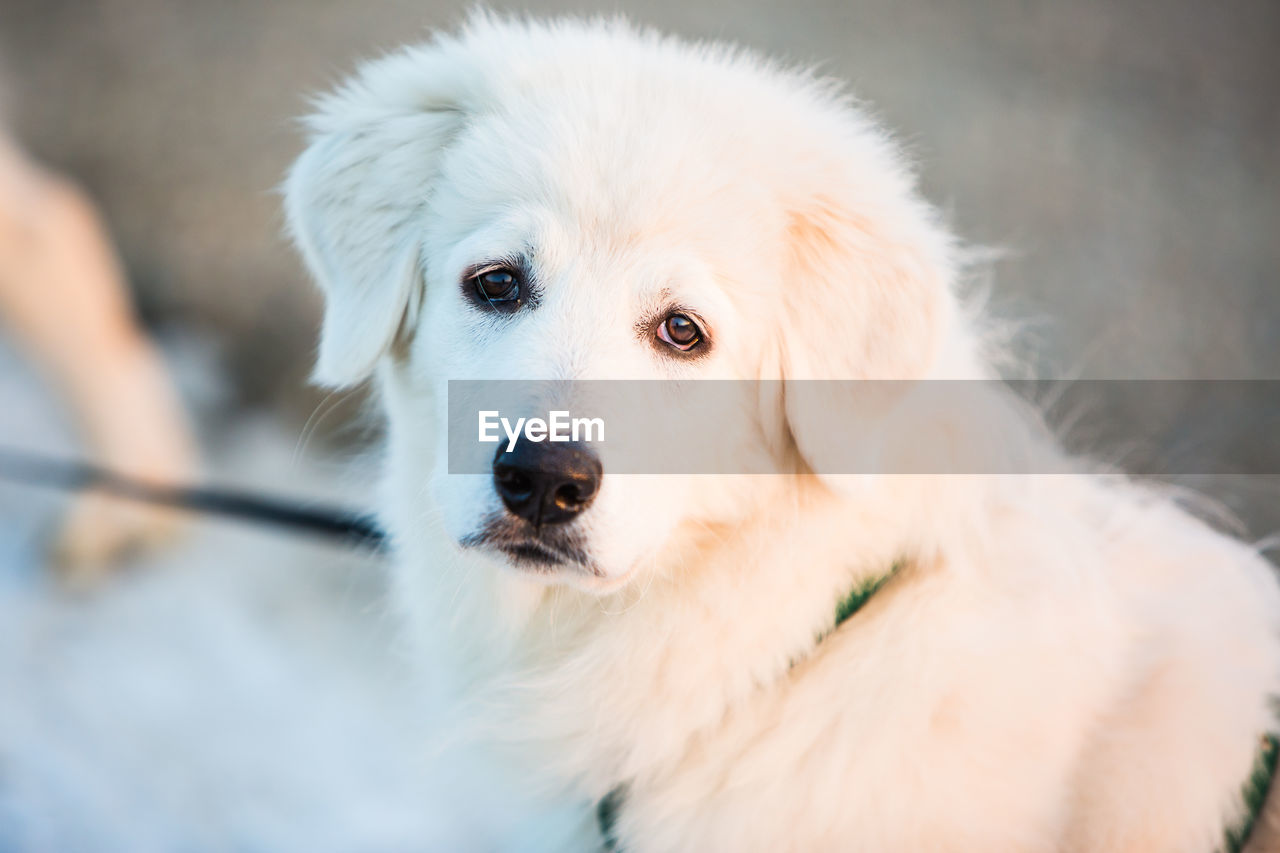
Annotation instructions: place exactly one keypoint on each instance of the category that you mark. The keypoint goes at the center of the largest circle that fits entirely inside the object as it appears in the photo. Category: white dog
(1046, 664)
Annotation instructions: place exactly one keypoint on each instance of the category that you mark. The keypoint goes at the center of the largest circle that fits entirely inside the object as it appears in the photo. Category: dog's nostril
(569, 496)
(514, 482)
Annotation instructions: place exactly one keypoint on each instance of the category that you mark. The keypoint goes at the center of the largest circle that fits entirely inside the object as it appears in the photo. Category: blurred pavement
(238, 692)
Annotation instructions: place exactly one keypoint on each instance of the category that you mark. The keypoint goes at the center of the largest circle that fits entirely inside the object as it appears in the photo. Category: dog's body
(1056, 663)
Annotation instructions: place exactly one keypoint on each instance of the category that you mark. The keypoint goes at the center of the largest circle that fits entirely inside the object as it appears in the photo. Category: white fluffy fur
(1065, 663)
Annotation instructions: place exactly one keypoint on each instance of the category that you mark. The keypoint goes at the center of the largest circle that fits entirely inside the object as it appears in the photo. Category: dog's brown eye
(680, 332)
(497, 286)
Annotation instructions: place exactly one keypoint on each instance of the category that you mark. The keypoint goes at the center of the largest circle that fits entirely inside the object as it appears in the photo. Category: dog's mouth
(543, 550)
(535, 552)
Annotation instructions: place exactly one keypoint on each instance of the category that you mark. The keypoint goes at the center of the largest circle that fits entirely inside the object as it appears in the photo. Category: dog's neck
(584, 684)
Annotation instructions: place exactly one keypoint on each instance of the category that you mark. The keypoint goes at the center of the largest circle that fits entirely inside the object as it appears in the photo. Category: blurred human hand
(63, 296)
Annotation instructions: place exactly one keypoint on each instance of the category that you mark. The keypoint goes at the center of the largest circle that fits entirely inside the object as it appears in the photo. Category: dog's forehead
(599, 173)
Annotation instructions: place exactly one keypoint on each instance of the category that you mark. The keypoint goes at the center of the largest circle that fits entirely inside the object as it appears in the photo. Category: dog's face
(572, 264)
(583, 203)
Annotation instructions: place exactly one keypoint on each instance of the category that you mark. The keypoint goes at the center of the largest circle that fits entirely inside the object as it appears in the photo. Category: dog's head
(577, 201)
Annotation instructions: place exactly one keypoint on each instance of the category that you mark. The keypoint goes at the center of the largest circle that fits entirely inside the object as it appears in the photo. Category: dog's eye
(679, 331)
(497, 286)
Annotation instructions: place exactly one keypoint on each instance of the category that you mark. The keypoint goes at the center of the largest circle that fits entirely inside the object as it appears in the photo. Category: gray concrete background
(1127, 155)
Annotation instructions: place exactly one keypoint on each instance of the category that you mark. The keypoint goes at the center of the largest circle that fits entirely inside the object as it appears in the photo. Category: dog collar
(1254, 793)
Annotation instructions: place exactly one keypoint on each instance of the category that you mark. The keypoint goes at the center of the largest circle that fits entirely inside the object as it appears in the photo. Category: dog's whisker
(327, 405)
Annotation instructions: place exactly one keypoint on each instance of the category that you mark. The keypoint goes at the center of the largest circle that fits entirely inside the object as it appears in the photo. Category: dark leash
(340, 524)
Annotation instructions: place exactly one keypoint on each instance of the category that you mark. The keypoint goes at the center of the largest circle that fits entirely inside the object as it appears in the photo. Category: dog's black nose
(546, 483)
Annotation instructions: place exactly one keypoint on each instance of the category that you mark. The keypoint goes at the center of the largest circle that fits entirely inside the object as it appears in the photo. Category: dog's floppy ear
(870, 297)
(354, 199)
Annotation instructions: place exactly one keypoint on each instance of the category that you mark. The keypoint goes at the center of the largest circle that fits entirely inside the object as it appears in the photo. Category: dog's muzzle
(543, 488)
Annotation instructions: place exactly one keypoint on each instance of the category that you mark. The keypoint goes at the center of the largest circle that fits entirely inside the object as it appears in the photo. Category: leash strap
(36, 469)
